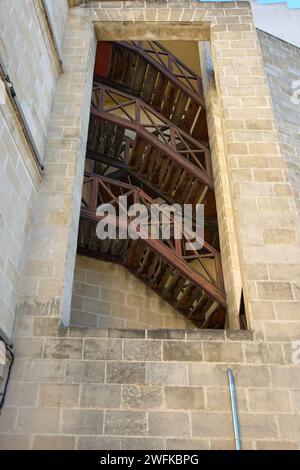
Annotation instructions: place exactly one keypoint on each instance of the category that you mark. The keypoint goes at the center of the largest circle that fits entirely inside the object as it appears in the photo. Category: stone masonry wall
(282, 61)
(29, 64)
(106, 295)
(265, 216)
(58, 13)
(104, 388)
(52, 243)
(18, 185)
(25, 54)
(153, 389)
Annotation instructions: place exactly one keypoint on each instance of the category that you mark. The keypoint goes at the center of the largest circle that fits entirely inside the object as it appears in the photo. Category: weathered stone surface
(263, 353)
(144, 397)
(44, 371)
(53, 443)
(30, 347)
(181, 398)
(22, 394)
(142, 443)
(47, 414)
(8, 420)
(281, 331)
(239, 335)
(285, 377)
(295, 397)
(212, 424)
(77, 332)
(169, 424)
(222, 352)
(261, 426)
(125, 423)
(126, 333)
(207, 374)
(100, 396)
(102, 349)
(187, 444)
(63, 348)
(47, 326)
(19, 175)
(165, 334)
(105, 296)
(289, 426)
(125, 372)
(142, 350)
(209, 335)
(264, 400)
(98, 443)
(223, 444)
(58, 395)
(38, 420)
(15, 442)
(77, 421)
(17, 372)
(251, 376)
(85, 372)
(218, 399)
(276, 445)
(182, 351)
(166, 374)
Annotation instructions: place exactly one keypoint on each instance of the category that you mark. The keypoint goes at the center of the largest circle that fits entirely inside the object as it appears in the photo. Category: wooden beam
(140, 130)
(171, 257)
(151, 30)
(74, 3)
(138, 50)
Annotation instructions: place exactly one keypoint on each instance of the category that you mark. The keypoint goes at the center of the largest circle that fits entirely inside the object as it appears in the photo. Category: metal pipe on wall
(234, 410)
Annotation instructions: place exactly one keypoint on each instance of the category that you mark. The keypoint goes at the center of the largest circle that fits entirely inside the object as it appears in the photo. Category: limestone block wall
(27, 57)
(107, 295)
(77, 388)
(264, 209)
(19, 180)
(147, 389)
(282, 62)
(51, 251)
(58, 13)
(24, 51)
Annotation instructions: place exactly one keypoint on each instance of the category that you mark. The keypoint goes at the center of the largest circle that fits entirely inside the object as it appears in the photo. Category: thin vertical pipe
(234, 410)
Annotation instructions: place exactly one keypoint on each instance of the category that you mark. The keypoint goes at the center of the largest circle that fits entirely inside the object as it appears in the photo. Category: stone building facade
(158, 385)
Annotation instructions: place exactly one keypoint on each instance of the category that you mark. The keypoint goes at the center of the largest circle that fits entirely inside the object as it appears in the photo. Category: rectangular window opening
(148, 142)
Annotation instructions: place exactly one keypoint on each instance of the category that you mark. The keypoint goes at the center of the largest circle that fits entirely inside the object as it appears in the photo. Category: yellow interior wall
(187, 51)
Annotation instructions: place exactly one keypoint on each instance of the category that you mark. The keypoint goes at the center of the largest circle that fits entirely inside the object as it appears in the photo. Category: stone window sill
(186, 335)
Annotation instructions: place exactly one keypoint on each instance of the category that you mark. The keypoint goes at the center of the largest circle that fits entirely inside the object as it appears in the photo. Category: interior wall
(186, 51)
(107, 295)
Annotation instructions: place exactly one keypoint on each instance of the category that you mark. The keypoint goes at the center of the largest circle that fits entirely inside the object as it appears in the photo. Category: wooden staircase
(127, 130)
(146, 69)
(190, 280)
(148, 138)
